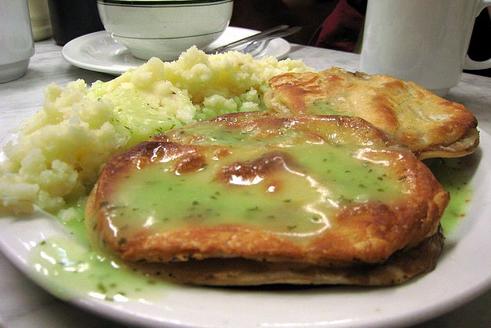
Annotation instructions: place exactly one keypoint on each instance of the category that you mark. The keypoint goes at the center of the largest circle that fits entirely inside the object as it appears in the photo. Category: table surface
(23, 304)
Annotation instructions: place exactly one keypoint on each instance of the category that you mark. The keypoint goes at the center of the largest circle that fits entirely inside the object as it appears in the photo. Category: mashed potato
(59, 151)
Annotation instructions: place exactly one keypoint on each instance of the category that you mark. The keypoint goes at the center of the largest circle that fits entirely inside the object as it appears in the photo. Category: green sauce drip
(72, 268)
(454, 175)
(323, 107)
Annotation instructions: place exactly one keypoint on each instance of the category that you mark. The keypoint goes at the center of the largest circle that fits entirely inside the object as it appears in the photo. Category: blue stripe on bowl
(168, 38)
(171, 3)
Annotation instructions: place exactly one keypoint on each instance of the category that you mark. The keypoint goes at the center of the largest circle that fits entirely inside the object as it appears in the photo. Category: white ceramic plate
(463, 272)
(101, 53)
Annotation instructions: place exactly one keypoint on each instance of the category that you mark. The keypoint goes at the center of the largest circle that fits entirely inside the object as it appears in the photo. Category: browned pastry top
(319, 190)
(428, 124)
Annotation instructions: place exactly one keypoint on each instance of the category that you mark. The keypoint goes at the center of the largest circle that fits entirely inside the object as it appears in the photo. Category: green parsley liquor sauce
(454, 175)
(296, 200)
(71, 268)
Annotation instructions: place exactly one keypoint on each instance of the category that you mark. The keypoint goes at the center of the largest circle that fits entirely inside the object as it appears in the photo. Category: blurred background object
(16, 42)
(73, 18)
(40, 23)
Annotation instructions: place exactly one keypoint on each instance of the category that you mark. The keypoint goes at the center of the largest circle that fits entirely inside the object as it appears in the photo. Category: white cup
(16, 45)
(425, 41)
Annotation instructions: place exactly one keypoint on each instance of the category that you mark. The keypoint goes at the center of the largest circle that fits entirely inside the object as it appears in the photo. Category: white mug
(425, 41)
(16, 45)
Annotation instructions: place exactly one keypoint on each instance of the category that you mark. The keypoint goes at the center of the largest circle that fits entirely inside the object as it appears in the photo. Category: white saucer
(99, 52)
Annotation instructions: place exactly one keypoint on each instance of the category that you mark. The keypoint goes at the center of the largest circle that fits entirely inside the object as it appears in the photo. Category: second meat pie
(412, 116)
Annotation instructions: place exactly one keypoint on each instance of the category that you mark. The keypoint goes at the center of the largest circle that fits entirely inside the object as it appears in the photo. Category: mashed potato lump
(57, 155)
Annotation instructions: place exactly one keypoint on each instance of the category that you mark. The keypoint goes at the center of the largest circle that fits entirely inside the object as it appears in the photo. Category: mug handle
(472, 64)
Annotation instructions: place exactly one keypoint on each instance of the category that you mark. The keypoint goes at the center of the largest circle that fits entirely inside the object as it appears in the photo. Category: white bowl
(164, 28)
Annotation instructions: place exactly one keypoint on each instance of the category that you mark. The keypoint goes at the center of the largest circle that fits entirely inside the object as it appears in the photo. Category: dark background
(334, 24)
(311, 14)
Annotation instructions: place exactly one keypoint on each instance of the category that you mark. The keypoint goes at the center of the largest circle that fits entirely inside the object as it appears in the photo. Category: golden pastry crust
(366, 232)
(429, 125)
(398, 269)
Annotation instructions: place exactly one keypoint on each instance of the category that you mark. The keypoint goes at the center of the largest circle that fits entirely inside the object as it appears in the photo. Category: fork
(257, 41)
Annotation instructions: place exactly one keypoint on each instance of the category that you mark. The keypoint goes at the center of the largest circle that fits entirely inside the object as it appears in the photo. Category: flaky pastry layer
(413, 116)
